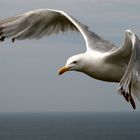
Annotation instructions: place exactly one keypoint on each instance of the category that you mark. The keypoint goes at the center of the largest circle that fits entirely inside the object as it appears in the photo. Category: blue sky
(28, 69)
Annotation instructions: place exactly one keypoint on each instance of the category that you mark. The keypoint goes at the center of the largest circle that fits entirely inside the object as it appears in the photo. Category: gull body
(102, 59)
(94, 64)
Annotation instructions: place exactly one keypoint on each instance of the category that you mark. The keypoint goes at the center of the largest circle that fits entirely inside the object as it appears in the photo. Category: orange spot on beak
(63, 70)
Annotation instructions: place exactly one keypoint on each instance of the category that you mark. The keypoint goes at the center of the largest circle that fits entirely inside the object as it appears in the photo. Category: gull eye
(74, 62)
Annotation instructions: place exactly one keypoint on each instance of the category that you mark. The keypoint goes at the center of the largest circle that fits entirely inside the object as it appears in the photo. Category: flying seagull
(102, 59)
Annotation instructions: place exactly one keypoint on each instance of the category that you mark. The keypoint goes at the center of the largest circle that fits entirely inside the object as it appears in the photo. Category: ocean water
(70, 126)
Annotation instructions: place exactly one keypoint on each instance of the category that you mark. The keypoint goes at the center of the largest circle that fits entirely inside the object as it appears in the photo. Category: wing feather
(44, 22)
(129, 54)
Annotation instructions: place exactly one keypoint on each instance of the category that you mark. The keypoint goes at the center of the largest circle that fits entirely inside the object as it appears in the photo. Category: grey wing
(129, 53)
(43, 22)
(34, 24)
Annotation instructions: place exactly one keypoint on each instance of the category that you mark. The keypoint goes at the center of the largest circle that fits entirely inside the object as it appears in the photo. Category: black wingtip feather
(2, 38)
(132, 102)
(13, 39)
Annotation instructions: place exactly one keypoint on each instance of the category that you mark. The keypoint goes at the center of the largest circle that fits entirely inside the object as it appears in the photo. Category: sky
(28, 69)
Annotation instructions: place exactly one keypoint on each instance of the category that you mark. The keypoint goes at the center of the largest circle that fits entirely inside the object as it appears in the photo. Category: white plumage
(102, 60)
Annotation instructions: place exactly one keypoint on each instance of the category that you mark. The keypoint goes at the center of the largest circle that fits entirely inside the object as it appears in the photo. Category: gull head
(74, 63)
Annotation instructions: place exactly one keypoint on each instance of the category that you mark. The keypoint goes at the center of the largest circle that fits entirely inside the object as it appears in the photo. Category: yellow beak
(63, 70)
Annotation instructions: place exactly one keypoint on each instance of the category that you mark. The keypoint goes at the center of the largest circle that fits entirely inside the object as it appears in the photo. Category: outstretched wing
(129, 54)
(41, 22)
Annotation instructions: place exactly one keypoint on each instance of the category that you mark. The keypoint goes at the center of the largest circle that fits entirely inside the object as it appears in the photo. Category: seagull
(102, 60)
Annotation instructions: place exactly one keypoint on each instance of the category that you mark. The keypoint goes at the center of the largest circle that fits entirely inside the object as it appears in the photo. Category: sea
(70, 126)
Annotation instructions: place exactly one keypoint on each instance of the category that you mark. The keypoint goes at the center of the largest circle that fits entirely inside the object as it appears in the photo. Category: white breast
(98, 68)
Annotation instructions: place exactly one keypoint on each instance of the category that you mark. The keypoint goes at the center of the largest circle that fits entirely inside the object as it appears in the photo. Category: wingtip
(2, 38)
(128, 97)
(132, 102)
(13, 39)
